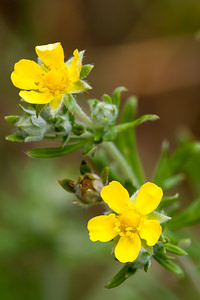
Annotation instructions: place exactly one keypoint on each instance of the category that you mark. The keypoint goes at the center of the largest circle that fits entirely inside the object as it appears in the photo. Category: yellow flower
(131, 221)
(50, 81)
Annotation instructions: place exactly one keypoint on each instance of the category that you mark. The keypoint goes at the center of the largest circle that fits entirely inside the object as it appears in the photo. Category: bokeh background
(153, 49)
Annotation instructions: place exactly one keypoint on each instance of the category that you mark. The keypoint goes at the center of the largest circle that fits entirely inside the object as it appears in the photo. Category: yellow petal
(150, 231)
(36, 97)
(116, 196)
(128, 248)
(27, 75)
(51, 54)
(148, 198)
(101, 228)
(75, 69)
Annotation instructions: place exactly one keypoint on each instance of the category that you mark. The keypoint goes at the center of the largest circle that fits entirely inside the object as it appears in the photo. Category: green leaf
(168, 264)
(189, 216)
(107, 99)
(121, 276)
(54, 152)
(14, 138)
(182, 155)
(172, 181)
(165, 202)
(125, 126)
(85, 70)
(12, 119)
(116, 96)
(89, 148)
(171, 248)
(162, 169)
(126, 141)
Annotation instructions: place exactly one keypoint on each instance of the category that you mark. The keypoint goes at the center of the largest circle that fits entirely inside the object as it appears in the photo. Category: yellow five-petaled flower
(131, 220)
(49, 81)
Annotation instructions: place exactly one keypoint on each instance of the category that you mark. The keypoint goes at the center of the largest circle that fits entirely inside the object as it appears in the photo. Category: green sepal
(32, 139)
(69, 102)
(121, 276)
(85, 168)
(171, 248)
(14, 138)
(78, 129)
(168, 264)
(12, 119)
(85, 70)
(28, 111)
(54, 152)
(116, 96)
(67, 184)
(166, 201)
(158, 216)
(149, 249)
(80, 86)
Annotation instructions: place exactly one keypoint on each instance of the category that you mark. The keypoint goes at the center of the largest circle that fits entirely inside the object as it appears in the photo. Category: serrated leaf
(54, 152)
(12, 119)
(85, 70)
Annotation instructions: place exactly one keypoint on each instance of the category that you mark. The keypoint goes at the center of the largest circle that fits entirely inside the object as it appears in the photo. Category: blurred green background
(152, 48)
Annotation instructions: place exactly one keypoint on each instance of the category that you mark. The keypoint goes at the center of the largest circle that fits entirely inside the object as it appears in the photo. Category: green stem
(82, 114)
(124, 166)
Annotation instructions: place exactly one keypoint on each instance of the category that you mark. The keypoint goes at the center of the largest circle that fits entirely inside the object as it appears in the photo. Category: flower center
(56, 80)
(129, 223)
